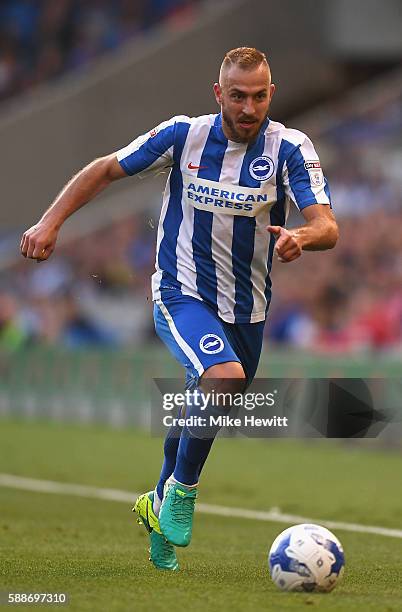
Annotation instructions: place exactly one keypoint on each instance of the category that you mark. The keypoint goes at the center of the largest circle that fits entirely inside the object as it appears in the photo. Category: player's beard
(235, 135)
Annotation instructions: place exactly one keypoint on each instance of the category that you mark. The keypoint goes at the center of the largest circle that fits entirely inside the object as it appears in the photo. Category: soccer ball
(306, 558)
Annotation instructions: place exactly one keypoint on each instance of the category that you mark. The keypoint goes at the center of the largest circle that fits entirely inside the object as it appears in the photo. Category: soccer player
(232, 177)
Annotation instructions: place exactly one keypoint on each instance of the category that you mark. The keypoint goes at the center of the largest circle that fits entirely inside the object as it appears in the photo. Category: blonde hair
(246, 58)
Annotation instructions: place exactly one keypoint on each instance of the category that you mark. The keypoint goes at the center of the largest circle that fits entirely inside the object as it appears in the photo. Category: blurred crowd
(361, 144)
(348, 299)
(42, 39)
(345, 300)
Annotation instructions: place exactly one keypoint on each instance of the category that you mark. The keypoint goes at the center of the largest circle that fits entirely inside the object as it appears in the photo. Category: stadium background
(79, 79)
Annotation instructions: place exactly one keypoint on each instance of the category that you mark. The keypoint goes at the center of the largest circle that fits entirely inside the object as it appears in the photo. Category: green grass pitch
(94, 550)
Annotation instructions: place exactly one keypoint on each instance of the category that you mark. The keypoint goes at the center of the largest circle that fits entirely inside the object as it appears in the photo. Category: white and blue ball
(306, 558)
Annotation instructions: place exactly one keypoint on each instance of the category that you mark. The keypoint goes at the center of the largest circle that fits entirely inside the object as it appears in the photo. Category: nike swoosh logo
(192, 167)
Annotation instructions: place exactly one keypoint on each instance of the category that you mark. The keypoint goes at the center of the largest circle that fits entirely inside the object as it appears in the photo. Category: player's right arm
(147, 154)
(39, 241)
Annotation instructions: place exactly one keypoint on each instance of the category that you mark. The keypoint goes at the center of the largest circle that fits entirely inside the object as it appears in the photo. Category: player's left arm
(304, 183)
(320, 232)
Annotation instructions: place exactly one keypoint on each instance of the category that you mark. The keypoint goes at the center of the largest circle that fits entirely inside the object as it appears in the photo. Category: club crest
(262, 168)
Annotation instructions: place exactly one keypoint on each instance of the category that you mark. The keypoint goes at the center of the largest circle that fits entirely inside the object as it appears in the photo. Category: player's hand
(287, 247)
(38, 242)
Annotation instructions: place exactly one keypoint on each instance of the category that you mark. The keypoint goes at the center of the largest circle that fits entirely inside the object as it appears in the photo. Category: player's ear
(218, 93)
(272, 89)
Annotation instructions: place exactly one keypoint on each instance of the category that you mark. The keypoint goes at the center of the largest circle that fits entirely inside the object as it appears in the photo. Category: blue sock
(191, 456)
(170, 451)
(193, 448)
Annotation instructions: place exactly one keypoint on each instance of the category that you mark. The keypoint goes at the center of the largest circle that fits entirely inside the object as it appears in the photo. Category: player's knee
(229, 369)
(228, 377)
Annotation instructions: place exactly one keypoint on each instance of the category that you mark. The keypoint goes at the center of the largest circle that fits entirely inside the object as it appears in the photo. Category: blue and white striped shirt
(220, 196)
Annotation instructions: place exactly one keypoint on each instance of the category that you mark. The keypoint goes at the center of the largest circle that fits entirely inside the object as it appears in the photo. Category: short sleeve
(150, 153)
(303, 178)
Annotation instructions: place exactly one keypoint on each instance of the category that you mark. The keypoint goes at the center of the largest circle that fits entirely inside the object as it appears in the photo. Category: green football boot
(176, 513)
(162, 554)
